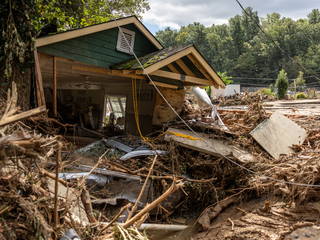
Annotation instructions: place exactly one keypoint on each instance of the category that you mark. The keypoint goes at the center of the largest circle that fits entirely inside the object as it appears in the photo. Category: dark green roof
(149, 59)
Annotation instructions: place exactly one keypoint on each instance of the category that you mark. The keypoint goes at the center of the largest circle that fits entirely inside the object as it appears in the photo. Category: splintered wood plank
(206, 145)
(23, 115)
(277, 135)
(54, 87)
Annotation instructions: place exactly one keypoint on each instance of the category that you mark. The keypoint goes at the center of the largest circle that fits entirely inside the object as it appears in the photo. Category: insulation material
(203, 97)
(162, 112)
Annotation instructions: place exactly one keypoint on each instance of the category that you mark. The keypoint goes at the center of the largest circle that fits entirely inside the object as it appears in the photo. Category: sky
(177, 13)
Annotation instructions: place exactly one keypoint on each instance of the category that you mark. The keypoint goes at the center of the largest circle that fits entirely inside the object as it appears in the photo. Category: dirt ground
(266, 219)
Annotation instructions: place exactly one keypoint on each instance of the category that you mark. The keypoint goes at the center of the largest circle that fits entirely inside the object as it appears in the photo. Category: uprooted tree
(22, 21)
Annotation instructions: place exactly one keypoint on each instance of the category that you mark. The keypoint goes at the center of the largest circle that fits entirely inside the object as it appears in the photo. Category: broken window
(115, 109)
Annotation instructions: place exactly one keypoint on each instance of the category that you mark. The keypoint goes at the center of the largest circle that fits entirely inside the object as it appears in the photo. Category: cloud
(176, 13)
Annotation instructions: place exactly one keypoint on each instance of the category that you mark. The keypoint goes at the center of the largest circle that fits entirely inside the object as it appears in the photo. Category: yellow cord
(183, 135)
(135, 108)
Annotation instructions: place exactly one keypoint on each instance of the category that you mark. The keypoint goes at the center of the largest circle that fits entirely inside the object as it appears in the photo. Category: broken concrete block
(277, 134)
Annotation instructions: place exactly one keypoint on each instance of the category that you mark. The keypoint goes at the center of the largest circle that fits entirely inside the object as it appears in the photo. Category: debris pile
(245, 98)
(256, 172)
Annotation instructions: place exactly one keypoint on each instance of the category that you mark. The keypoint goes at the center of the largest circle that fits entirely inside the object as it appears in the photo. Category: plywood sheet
(277, 134)
(202, 143)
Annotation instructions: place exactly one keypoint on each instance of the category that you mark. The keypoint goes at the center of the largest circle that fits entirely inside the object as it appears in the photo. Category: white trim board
(59, 37)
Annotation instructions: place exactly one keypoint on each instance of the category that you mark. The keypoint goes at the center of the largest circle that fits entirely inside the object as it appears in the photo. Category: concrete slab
(277, 134)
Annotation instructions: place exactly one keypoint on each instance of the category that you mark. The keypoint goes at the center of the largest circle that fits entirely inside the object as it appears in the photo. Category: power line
(200, 137)
(273, 41)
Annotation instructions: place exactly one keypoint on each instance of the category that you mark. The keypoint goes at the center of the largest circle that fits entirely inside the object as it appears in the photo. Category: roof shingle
(149, 59)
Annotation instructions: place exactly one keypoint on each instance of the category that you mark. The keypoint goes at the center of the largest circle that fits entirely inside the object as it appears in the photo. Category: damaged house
(91, 77)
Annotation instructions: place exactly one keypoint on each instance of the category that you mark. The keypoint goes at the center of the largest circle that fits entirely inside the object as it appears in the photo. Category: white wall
(230, 90)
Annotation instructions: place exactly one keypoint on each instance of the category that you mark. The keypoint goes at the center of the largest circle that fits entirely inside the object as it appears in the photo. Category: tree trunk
(23, 81)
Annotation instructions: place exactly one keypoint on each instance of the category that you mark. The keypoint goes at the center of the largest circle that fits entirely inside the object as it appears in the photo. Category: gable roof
(74, 33)
(155, 61)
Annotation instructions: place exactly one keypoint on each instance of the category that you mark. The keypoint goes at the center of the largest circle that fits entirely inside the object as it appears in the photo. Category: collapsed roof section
(184, 64)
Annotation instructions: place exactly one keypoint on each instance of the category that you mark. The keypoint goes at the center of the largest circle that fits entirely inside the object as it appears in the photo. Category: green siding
(99, 48)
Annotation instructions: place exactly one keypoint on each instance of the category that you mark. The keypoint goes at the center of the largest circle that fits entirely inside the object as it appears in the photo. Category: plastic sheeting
(202, 95)
(98, 179)
(143, 153)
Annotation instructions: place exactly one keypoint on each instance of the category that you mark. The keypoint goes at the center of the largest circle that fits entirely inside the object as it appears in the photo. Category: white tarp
(230, 90)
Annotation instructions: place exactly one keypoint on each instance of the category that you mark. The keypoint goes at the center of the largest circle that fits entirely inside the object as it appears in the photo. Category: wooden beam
(207, 67)
(54, 87)
(201, 69)
(184, 67)
(181, 77)
(165, 85)
(39, 83)
(23, 115)
(99, 70)
(190, 50)
(172, 68)
(167, 60)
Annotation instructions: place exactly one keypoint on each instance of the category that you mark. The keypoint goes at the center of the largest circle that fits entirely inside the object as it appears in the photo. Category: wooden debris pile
(287, 188)
(27, 205)
(245, 98)
(45, 185)
(262, 219)
(35, 202)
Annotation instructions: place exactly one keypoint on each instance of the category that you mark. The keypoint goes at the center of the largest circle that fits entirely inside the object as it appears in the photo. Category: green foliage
(314, 16)
(242, 50)
(21, 22)
(272, 87)
(208, 90)
(79, 13)
(301, 95)
(267, 92)
(225, 78)
(167, 37)
(282, 84)
(300, 82)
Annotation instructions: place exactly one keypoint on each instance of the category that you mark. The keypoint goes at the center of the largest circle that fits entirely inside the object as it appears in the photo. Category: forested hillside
(252, 55)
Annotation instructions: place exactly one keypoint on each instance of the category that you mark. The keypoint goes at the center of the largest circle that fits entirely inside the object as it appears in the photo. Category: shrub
(301, 95)
(225, 78)
(282, 84)
(266, 91)
(300, 82)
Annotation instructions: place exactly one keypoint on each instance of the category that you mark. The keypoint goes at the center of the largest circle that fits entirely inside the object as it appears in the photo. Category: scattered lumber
(107, 172)
(21, 116)
(174, 187)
